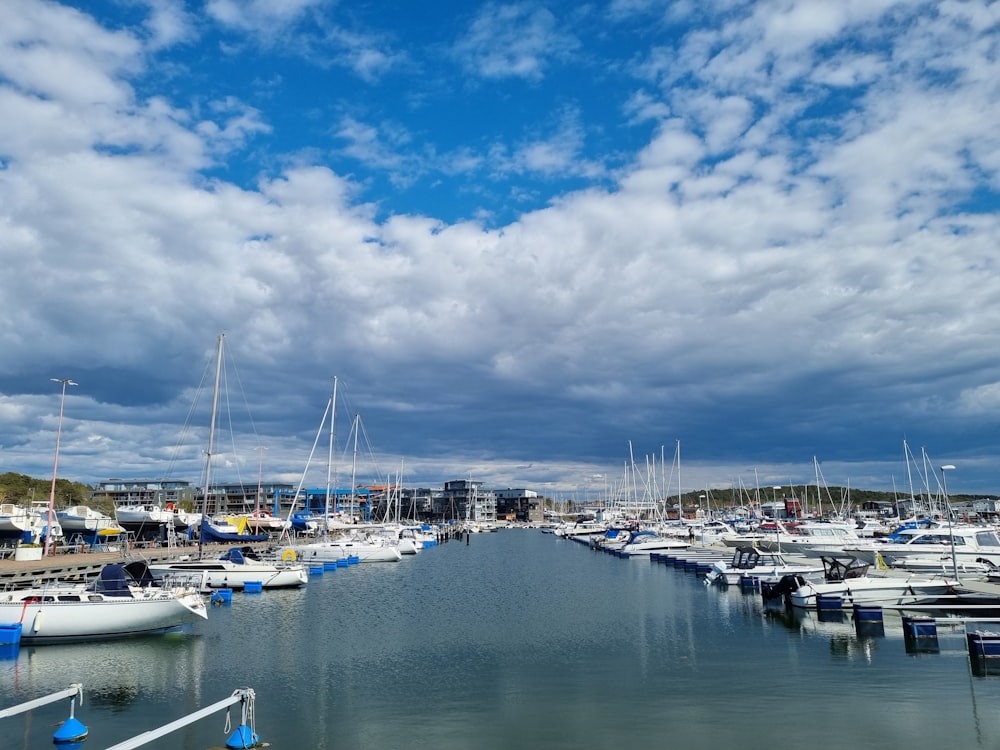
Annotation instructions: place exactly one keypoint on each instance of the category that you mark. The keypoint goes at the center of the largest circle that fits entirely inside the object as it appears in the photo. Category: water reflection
(115, 673)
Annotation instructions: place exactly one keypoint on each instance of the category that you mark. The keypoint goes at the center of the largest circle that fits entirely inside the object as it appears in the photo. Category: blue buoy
(330, 565)
(868, 612)
(243, 737)
(253, 587)
(10, 635)
(316, 570)
(983, 645)
(222, 596)
(72, 730)
(829, 602)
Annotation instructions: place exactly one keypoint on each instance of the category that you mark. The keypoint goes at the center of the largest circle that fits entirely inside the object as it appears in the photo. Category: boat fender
(288, 555)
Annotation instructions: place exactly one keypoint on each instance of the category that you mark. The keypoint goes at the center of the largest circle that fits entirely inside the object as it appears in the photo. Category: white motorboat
(582, 531)
(812, 539)
(235, 569)
(759, 564)
(122, 602)
(967, 544)
(846, 583)
(643, 543)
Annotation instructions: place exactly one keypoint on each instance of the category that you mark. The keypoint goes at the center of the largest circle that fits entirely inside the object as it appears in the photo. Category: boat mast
(909, 477)
(329, 459)
(211, 444)
(680, 502)
(354, 465)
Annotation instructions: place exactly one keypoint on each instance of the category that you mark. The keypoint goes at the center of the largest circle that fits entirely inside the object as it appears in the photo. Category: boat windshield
(987, 539)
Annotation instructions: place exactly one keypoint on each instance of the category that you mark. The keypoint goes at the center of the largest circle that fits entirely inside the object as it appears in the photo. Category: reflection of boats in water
(113, 673)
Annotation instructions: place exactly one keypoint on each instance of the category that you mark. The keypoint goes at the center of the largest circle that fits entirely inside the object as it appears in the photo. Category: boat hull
(94, 617)
(222, 574)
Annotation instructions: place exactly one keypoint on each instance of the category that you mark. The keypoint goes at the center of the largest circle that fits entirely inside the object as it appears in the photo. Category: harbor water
(515, 639)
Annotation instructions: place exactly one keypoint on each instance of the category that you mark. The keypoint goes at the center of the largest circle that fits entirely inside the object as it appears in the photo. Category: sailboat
(355, 542)
(120, 603)
(236, 568)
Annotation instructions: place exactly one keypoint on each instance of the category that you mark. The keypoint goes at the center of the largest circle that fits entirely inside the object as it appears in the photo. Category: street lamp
(947, 505)
(55, 466)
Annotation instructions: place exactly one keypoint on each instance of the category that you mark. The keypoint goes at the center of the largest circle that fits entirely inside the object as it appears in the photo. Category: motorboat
(759, 564)
(963, 543)
(235, 569)
(812, 539)
(641, 543)
(122, 602)
(846, 583)
(582, 530)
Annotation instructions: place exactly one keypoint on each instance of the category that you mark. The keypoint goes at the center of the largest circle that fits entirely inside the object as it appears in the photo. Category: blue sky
(521, 235)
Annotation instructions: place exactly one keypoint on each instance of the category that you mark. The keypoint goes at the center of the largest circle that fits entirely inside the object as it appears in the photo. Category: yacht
(962, 543)
(811, 538)
(765, 566)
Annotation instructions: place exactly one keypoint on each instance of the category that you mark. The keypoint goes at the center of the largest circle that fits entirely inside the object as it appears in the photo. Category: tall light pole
(55, 466)
(947, 505)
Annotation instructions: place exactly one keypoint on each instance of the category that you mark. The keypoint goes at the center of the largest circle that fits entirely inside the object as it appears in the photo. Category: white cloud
(265, 16)
(735, 260)
(516, 40)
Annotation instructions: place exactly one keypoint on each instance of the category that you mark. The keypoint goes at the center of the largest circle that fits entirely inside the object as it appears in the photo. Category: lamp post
(947, 505)
(55, 466)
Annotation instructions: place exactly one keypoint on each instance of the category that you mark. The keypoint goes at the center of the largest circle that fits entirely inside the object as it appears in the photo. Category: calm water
(516, 640)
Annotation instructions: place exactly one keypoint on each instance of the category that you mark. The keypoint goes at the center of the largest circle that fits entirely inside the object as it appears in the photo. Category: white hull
(872, 591)
(971, 544)
(333, 551)
(83, 520)
(142, 515)
(645, 549)
(14, 520)
(315, 552)
(74, 612)
(223, 574)
(892, 553)
(366, 552)
(764, 566)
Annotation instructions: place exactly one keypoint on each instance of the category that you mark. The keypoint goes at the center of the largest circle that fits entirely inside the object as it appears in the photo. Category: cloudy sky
(522, 236)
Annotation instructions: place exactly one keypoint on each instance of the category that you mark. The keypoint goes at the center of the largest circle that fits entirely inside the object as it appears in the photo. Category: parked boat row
(135, 596)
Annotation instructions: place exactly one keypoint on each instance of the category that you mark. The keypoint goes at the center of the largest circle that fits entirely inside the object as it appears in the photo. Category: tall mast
(211, 445)
(354, 465)
(329, 460)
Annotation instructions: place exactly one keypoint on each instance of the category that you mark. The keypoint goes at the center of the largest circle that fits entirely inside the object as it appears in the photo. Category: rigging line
(187, 426)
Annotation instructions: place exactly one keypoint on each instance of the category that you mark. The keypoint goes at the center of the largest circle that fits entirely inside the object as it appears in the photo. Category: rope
(249, 712)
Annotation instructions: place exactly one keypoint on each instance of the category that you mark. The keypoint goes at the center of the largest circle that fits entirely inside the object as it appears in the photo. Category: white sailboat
(82, 519)
(351, 540)
(121, 603)
(236, 568)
